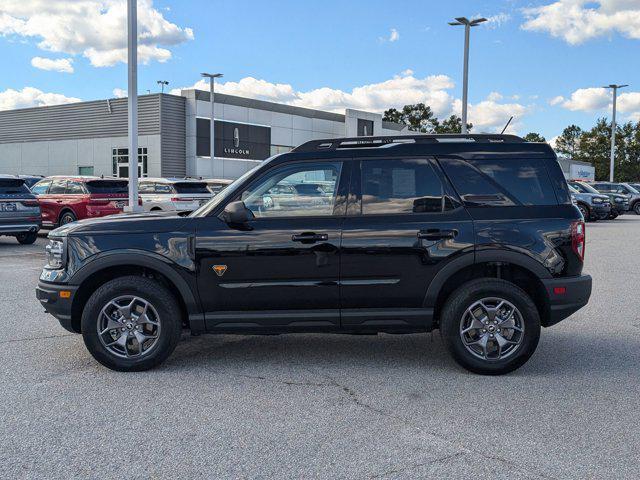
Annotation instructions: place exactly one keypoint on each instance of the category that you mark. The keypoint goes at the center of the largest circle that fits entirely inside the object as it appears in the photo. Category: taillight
(181, 199)
(30, 203)
(94, 201)
(578, 238)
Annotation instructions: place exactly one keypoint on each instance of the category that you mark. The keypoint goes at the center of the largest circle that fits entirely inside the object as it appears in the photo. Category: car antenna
(505, 127)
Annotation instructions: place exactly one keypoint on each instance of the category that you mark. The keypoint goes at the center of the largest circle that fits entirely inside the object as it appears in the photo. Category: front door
(403, 225)
(281, 268)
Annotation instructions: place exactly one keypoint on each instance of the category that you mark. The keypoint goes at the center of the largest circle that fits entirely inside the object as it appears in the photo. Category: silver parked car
(173, 194)
(19, 210)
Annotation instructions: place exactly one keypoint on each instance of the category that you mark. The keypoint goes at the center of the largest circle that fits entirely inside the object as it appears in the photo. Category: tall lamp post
(465, 82)
(162, 83)
(212, 81)
(132, 63)
(613, 128)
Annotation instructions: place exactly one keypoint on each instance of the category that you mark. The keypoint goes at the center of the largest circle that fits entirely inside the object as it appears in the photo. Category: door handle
(310, 237)
(437, 234)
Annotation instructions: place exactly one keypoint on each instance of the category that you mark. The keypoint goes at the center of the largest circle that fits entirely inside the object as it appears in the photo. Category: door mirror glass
(236, 213)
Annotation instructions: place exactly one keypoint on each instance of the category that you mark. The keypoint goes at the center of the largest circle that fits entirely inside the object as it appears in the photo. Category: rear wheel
(27, 238)
(636, 207)
(131, 324)
(490, 326)
(67, 217)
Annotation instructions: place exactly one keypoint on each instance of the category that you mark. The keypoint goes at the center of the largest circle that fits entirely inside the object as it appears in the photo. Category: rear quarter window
(107, 186)
(508, 182)
(191, 187)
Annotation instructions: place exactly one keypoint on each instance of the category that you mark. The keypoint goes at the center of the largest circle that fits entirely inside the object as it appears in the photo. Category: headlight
(597, 200)
(55, 254)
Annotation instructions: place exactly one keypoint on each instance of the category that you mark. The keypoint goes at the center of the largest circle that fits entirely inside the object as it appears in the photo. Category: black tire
(584, 210)
(463, 298)
(27, 238)
(154, 293)
(636, 207)
(67, 217)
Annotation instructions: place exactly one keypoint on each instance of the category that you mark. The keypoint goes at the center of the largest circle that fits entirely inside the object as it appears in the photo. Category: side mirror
(237, 213)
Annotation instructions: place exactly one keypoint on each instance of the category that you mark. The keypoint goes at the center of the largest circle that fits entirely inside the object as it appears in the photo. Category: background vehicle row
(19, 210)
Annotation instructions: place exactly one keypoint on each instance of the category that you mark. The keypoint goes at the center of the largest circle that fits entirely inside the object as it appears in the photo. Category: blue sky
(316, 53)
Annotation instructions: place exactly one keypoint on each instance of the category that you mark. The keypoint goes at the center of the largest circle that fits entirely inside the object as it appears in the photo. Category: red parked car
(67, 199)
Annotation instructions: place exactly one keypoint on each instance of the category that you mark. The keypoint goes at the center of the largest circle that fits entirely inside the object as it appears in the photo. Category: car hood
(125, 223)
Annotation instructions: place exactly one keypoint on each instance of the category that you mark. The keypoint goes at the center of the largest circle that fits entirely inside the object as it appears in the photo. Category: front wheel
(490, 326)
(27, 238)
(131, 323)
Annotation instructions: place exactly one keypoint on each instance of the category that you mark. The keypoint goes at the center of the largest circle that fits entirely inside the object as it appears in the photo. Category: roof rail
(383, 141)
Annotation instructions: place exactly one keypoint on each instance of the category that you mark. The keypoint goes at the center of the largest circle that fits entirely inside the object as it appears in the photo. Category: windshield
(584, 187)
(108, 186)
(631, 189)
(9, 186)
(204, 210)
(191, 187)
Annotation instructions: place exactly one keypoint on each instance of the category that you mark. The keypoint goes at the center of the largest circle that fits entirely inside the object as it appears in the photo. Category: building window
(276, 149)
(365, 128)
(120, 162)
(85, 171)
(203, 137)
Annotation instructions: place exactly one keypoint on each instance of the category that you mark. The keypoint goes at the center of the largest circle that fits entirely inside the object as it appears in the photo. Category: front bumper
(601, 210)
(566, 296)
(56, 302)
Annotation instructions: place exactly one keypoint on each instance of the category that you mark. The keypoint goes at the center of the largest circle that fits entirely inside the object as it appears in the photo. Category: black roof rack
(383, 141)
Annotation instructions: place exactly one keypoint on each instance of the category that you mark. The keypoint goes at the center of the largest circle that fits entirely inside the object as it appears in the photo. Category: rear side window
(107, 186)
(10, 185)
(191, 187)
(58, 187)
(501, 183)
(75, 188)
(400, 186)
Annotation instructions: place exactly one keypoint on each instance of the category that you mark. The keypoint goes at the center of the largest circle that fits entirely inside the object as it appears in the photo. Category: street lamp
(212, 80)
(162, 84)
(613, 127)
(465, 82)
(132, 113)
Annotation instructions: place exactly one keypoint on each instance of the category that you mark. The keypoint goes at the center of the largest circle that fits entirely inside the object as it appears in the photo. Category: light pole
(162, 84)
(613, 127)
(132, 114)
(212, 80)
(465, 76)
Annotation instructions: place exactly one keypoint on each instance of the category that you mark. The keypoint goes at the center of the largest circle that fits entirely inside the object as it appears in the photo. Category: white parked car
(215, 185)
(173, 194)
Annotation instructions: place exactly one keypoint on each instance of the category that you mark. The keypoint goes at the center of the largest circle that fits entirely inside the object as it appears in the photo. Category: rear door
(403, 225)
(51, 203)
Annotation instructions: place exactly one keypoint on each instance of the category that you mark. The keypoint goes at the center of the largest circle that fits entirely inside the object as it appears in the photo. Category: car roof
(83, 178)
(5, 176)
(170, 180)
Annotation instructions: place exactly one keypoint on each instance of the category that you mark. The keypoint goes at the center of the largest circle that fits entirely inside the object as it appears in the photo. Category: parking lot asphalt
(327, 406)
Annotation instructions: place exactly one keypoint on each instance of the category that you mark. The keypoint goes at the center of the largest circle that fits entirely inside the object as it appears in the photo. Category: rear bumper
(49, 296)
(563, 303)
(19, 226)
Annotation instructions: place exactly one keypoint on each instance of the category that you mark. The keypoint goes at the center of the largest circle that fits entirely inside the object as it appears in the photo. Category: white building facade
(90, 138)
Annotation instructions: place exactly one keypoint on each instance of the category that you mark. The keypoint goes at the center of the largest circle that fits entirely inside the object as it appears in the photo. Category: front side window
(302, 190)
(400, 186)
(74, 188)
(58, 187)
(146, 188)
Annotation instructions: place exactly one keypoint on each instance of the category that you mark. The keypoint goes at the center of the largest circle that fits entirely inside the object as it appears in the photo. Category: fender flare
(483, 256)
(149, 260)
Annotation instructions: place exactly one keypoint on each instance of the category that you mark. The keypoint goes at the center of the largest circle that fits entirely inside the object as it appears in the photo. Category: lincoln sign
(234, 140)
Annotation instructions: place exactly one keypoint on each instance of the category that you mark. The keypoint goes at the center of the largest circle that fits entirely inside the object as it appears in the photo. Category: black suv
(475, 235)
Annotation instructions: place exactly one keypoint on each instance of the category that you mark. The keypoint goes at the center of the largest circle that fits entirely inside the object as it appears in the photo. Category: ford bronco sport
(474, 235)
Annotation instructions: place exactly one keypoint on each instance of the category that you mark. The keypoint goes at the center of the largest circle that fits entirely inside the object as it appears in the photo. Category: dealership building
(90, 138)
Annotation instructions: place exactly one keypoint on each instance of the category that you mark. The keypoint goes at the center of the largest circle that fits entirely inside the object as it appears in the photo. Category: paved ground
(327, 406)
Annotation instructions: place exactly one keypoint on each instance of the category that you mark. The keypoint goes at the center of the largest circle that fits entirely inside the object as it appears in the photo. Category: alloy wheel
(128, 327)
(492, 328)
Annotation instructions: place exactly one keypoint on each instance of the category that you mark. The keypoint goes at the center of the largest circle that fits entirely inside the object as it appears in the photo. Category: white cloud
(95, 29)
(557, 100)
(577, 21)
(600, 99)
(498, 20)
(57, 65)
(31, 97)
(119, 93)
(403, 89)
(394, 35)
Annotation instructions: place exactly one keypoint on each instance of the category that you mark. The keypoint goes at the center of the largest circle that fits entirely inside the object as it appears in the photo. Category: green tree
(594, 147)
(453, 124)
(568, 143)
(534, 137)
(418, 117)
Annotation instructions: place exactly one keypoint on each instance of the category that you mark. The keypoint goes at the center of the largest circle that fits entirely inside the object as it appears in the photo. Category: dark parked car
(19, 210)
(625, 189)
(31, 180)
(475, 235)
(67, 199)
(619, 203)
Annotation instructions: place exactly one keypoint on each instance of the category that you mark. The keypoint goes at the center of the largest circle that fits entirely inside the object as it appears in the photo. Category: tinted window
(41, 188)
(603, 187)
(163, 188)
(272, 195)
(75, 188)
(400, 186)
(8, 186)
(58, 187)
(146, 188)
(108, 186)
(501, 183)
(191, 187)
